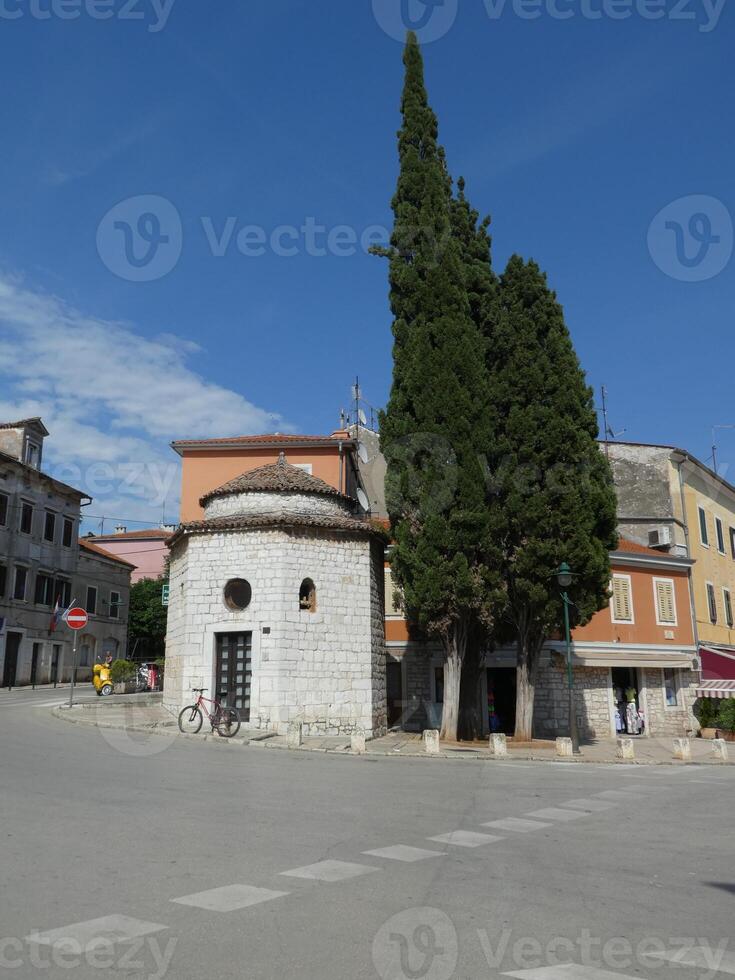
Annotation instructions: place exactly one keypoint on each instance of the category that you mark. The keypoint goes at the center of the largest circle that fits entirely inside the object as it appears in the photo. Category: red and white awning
(716, 689)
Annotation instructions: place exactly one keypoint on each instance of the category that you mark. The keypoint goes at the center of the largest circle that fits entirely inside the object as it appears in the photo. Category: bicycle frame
(211, 715)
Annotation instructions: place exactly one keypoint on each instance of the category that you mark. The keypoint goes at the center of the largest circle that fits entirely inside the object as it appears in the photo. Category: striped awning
(716, 689)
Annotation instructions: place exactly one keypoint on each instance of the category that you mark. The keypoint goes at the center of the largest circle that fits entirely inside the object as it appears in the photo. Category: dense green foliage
(494, 473)
(147, 620)
(433, 425)
(121, 671)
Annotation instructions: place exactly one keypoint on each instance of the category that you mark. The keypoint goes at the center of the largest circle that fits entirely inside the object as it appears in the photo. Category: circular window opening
(238, 594)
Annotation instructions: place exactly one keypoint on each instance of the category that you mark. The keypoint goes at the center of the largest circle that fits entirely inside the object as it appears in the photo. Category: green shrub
(122, 670)
(726, 716)
(706, 711)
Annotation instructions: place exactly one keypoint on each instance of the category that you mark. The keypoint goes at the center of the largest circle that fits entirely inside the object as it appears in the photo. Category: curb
(266, 741)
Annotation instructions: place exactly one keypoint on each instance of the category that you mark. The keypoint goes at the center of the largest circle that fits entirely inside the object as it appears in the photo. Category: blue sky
(573, 134)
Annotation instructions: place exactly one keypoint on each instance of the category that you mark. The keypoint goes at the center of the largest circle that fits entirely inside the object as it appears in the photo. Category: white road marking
(402, 852)
(109, 929)
(617, 794)
(568, 971)
(555, 813)
(697, 956)
(517, 824)
(230, 898)
(590, 806)
(465, 838)
(330, 871)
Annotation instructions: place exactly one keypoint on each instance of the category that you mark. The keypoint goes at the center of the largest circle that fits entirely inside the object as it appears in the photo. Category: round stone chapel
(276, 606)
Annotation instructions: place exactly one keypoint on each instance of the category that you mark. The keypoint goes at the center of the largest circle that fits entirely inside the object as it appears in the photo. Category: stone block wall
(592, 689)
(325, 669)
(665, 720)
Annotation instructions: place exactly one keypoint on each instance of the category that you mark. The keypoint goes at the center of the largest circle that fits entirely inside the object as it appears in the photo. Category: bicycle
(225, 721)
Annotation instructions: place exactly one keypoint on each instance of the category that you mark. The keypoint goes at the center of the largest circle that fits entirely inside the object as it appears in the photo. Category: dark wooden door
(234, 671)
(10, 667)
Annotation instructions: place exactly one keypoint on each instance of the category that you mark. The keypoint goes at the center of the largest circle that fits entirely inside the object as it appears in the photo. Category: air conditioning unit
(659, 538)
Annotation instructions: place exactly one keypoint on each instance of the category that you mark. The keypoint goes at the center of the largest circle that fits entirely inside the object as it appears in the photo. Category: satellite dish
(362, 452)
(362, 497)
(362, 417)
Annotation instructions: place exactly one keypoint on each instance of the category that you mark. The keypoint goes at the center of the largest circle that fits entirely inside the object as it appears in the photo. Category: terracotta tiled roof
(269, 439)
(351, 525)
(627, 546)
(151, 532)
(86, 545)
(278, 477)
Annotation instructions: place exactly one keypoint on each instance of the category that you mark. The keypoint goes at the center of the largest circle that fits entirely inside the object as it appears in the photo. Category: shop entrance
(501, 699)
(629, 718)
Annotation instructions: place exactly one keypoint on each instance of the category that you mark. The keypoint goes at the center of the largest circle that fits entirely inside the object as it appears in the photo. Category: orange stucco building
(209, 463)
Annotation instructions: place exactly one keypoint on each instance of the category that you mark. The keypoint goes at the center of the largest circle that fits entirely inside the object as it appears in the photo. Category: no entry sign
(76, 618)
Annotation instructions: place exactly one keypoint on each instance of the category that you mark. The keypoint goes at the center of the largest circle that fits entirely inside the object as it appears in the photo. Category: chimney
(121, 529)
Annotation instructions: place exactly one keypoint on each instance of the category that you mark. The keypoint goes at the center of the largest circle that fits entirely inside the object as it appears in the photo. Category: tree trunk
(526, 671)
(470, 719)
(455, 646)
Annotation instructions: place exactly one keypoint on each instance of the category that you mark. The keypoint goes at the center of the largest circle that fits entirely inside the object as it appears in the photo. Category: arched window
(307, 596)
(237, 594)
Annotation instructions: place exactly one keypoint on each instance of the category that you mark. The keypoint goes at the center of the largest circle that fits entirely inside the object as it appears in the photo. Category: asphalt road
(250, 863)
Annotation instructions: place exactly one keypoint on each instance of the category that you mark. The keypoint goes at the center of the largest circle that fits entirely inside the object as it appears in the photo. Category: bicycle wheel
(228, 722)
(190, 720)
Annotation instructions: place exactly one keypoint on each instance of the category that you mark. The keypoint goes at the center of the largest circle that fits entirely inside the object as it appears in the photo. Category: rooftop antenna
(714, 443)
(609, 433)
(357, 395)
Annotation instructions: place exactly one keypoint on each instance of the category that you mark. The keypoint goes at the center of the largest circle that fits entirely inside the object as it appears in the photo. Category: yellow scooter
(101, 680)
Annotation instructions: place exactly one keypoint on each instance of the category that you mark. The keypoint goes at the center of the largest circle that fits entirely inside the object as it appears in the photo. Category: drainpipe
(341, 465)
(678, 463)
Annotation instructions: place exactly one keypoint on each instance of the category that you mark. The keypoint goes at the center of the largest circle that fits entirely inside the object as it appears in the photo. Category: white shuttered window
(622, 599)
(665, 601)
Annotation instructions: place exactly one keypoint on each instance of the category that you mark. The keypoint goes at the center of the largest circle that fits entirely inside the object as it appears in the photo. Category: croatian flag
(55, 615)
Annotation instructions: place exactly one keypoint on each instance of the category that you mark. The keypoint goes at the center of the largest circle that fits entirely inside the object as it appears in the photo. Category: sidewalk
(145, 714)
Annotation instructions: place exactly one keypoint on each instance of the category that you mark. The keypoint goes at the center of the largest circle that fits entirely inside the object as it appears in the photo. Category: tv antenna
(714, 443)
(609, 434)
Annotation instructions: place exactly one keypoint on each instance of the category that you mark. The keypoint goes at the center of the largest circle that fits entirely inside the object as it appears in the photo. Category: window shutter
(391, 609)
(622, 605)
(665, 603)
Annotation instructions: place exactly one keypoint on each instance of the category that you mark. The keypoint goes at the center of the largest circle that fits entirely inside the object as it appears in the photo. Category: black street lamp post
(564, 577)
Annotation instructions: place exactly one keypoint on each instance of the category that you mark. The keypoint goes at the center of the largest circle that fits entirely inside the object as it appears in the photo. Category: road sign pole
(73, 669)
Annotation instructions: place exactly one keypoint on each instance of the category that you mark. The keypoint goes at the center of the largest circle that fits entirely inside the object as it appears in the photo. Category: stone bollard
(564, 748)
(498, 746)
(683, 749)
(719, 749)
(295, 735)
(431, 742)
(625, 748)
(357, 743)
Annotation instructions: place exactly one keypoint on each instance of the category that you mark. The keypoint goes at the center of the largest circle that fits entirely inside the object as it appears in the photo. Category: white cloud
(111, 399)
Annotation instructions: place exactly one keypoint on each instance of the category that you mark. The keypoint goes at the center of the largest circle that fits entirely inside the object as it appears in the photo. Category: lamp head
(564, 575)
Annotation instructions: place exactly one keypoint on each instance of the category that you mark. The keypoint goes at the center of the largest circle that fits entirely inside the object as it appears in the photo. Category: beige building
(671, 501)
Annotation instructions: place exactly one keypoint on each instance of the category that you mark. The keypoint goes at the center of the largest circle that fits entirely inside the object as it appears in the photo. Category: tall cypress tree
(473, 239)
(552, 488)
(432, 428)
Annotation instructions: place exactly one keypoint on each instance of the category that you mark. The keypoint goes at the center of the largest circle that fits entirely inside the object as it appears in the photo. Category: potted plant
(122, 674)
(726, 720)
(706, 711)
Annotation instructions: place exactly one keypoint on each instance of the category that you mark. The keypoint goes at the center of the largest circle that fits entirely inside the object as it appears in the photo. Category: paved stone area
(137, 714)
